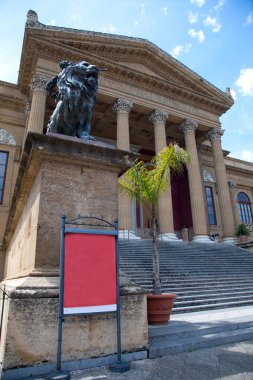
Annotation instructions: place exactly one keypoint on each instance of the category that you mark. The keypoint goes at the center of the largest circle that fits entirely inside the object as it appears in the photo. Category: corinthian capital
(215, 134)
(188, 125)
(158, 117)
(38, 83)
(122, 104)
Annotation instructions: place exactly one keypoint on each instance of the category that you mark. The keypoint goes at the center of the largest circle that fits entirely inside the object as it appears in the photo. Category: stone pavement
(229, 362)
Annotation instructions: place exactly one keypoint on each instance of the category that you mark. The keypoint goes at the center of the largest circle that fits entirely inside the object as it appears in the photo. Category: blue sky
(212, 37)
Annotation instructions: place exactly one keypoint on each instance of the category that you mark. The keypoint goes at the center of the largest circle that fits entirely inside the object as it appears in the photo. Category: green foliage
(145, 181)
(242, 230)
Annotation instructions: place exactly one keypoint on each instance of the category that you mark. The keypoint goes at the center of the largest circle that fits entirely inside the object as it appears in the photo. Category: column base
(229, 240)
(169, 236)
(128, 235)
(202, 239)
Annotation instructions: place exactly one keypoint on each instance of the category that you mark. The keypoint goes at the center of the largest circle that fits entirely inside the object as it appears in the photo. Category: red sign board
(89, 274)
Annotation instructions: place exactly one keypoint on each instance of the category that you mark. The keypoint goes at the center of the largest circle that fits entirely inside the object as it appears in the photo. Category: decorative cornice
(215, 134)
(158, 117)
(188, 126)
(38, 83)
(122, 104)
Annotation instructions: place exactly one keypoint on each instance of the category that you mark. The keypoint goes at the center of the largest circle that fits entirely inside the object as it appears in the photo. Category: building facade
(146, 100)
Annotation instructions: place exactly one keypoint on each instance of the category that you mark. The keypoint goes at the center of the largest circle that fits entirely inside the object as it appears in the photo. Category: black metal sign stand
(119, 366)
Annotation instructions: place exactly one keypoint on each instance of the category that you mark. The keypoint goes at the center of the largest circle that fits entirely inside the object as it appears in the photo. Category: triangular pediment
(128, 60)
(140, 68)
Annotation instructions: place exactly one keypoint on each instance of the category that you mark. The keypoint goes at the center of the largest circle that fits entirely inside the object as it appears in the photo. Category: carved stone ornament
(6, 137)
(231, 185)
(32, 18)
(207, 176)
(27, 108)
(158, 117)
(38, 83)
(215, 134)
(122, 104)
(188, 125)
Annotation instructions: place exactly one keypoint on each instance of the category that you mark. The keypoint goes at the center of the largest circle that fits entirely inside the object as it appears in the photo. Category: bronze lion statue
(75, 90)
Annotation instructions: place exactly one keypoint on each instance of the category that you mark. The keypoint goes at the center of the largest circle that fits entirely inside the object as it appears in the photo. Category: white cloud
(142, 10)
(177, 50)
(199, 3)
(219, 5)
(165, 10)
(233, 93)
(52, 22)
(193, 17)
(199, 35)
(212, 21)
(110, 28)
(141, 15)
(249, 19)
(245, 82)
(245, 155)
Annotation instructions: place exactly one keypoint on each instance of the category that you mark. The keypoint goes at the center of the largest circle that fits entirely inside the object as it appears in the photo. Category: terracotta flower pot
(159, 307)
(243, 238)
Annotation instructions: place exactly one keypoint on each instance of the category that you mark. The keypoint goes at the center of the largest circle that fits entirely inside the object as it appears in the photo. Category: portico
(146, 100)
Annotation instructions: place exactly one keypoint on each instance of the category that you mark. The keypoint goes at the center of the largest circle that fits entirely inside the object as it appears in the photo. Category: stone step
(201, 330)
(205, 306)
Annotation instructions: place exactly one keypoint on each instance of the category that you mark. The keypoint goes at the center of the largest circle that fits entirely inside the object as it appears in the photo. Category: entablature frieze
(153, 101)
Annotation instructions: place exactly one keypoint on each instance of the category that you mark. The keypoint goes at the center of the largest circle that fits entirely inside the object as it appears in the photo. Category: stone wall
(30, 325)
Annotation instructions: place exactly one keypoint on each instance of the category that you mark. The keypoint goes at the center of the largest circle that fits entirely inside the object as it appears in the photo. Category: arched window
(244, 208)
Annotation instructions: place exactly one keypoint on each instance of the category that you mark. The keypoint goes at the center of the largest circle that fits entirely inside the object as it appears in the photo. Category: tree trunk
(156, 269)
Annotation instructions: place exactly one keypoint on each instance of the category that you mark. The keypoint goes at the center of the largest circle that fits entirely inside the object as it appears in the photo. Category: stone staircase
(204, 276)
(214, 287)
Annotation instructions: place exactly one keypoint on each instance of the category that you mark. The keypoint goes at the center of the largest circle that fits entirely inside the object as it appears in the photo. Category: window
(210, 205)
(244, 208)
(3, 166)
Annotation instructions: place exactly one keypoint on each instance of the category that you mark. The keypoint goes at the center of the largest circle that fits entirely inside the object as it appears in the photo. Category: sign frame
(79, 226)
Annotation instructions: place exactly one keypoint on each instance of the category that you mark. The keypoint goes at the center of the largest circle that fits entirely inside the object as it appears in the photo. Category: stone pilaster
(37, 113)
(227, 219)
(233, 197)
(122, 107)
(199, 217)
(165, 211)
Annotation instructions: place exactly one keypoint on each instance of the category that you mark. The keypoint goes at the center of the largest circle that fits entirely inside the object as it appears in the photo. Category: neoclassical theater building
(146, 100)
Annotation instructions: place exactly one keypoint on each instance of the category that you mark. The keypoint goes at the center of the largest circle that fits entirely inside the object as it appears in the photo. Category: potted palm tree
(242, 232)
(145, 182)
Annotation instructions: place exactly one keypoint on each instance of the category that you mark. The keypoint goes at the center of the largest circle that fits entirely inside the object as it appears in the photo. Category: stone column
(122, 107)
(227, 219)
(199, 216)
(37, 113)
(165, 211)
